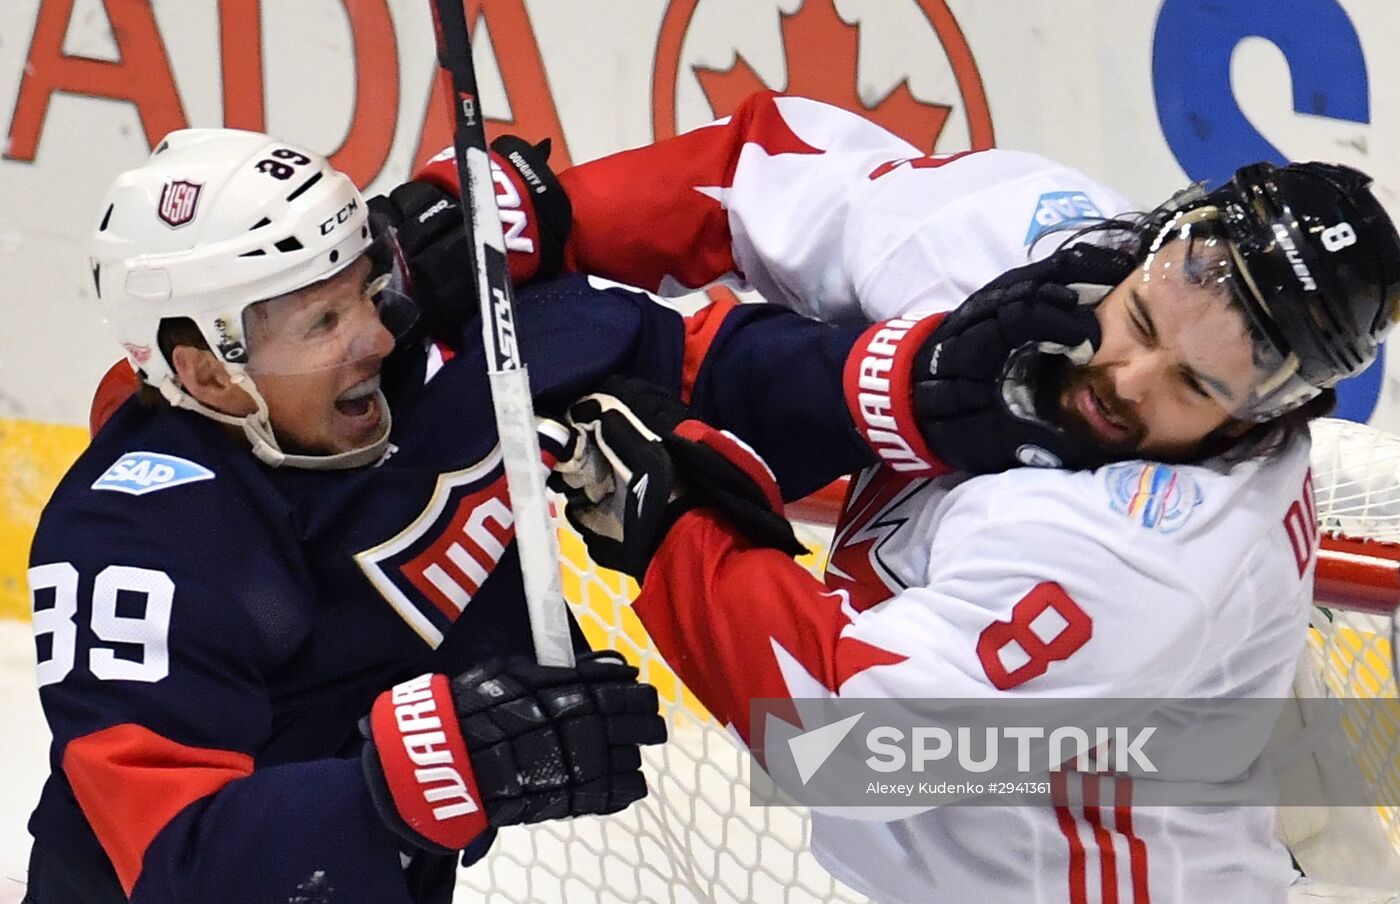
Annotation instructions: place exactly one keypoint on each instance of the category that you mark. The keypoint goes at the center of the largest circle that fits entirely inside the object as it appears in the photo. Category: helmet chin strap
(257, 428)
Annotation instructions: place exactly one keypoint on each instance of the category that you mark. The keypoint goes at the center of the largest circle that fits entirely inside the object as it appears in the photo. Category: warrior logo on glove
(977, 389)
(508, 742)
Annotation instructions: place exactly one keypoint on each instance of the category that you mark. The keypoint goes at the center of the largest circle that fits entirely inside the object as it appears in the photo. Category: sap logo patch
(1159, 497)
(1057, 209)
(139, 473)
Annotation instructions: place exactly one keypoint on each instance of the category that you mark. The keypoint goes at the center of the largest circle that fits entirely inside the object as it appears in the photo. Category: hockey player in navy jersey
(281, 638)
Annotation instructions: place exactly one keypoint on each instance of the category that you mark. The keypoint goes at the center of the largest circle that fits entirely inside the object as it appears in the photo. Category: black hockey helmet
(1317, 267)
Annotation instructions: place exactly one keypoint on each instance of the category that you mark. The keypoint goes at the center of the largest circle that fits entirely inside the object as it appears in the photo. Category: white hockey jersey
(1137, 580)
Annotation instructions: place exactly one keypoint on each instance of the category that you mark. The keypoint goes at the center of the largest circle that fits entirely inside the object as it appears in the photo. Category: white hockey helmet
(217, 220)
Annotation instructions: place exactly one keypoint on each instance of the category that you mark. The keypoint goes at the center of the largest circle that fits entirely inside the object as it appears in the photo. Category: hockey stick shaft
(510, 382)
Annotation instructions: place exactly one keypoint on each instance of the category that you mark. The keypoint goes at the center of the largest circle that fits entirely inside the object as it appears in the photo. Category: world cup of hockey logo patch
(178, 201)
(1159, 497)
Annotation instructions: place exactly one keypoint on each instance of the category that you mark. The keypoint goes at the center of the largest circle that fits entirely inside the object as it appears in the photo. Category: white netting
(1356, 476)
(1356, 480)
(696, 839)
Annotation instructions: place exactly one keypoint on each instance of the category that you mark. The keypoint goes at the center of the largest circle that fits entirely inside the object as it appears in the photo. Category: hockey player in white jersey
(1174, 557)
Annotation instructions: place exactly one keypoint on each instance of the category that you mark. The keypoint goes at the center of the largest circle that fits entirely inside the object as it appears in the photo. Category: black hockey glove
(508, 742)
(981, 391)
(644, 461)
(427, 218)
(975, 389)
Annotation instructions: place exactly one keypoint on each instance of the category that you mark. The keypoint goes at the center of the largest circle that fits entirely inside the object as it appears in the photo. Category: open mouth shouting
(360, 403)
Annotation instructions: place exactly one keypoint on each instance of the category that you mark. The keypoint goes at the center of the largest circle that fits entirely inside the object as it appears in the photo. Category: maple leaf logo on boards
(822, 52)
(825, 69)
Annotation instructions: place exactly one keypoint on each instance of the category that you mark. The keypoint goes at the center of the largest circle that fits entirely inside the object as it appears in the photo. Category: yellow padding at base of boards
(33, 457)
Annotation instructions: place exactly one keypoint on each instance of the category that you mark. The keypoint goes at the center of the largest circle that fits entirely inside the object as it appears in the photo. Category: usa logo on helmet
(178, 201)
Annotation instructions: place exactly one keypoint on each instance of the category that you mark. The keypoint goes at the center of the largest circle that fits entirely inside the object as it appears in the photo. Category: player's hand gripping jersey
(211, 631)
(1136, 580)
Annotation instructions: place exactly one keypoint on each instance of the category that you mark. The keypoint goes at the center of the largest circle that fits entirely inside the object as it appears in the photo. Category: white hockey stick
(510, 383)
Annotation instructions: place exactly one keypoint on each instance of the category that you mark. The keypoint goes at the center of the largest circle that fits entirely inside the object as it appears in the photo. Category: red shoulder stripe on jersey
(1137, 848)
(932, 161)
(118, 384)
(652, 212)
(717, 609)
(130, 782)
(700, 331)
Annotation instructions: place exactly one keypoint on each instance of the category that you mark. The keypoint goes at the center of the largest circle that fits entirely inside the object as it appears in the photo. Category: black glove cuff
(554, 213)
(428, 226)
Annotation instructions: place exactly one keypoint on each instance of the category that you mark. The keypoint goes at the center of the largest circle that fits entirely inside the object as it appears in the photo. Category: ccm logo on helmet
(1295, 257)
(328, 225)
(425, 742)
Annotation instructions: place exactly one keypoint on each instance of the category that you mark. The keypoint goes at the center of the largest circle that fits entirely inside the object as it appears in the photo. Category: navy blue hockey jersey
(210, 630)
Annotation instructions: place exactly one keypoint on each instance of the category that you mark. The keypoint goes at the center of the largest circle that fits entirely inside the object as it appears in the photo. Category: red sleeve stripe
(737, 453)
(652, 212)
(131, 782)
(700, 331)
(699, 606)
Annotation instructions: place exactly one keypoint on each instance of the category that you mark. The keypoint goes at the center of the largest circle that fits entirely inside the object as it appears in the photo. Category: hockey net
(696, 838)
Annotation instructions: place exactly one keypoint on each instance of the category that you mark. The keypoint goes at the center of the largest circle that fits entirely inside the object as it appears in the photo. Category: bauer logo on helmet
(1295, 257)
